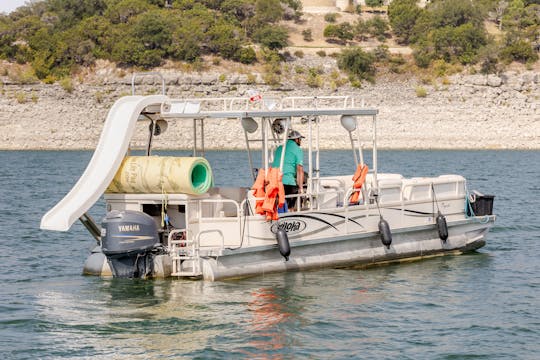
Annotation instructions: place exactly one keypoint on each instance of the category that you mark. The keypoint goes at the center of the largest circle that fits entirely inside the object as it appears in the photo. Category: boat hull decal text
(290, 226)
(295, 217)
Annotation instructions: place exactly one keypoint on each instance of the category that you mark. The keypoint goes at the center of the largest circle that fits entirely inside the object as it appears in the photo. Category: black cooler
(480, 204)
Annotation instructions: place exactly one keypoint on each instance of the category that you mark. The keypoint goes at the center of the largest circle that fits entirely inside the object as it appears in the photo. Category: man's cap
(293, 134)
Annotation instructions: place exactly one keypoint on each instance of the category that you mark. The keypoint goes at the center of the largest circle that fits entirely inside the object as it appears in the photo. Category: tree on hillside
(272, 37)
(241, 10)
(521, 23)
(403, 15)
(224, 39)
(72, 11)
(268, 11)
(516, 48)
(152, 29)
(451, 30)
(123, 10)
(339, 33)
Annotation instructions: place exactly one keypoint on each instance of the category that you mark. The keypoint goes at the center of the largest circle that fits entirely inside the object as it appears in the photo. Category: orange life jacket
(269, 186)
(359, 178)
(258, 191)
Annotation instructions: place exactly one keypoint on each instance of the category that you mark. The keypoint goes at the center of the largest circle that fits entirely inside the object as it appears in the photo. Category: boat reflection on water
(268, 312)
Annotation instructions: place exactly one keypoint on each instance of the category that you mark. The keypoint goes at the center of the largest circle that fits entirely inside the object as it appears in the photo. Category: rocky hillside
(457, 112)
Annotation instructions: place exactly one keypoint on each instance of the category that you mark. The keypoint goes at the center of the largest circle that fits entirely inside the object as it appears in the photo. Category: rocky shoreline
(460, 112)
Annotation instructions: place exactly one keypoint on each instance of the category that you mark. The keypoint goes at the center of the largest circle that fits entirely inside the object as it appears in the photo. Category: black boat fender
(386, 233)
(283, 243)
(442, 227)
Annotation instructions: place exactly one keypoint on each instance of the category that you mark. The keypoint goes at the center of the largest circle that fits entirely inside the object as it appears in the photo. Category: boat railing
(217, 104)
(217, 212)
(210, 231)
(197, 105)
(223, 220)
(347, 205)
(234, 104)
(315, 200)
(319, 102)
(218, 202)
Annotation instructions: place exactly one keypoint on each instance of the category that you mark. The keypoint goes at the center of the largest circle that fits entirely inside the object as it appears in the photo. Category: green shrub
(67, 84)
(299, 54)
(355, 83)
(381, 53)
(440, 67)
(357, 63)
(423, 56)
(340, 33)
(321, 53)
(518, 50)
(336, 80)
(314, 79)
(20, 97)
(272, 37)
(420, 91)
(489, 61)
(378, 27)
(246, 55)
(307, 35)
(330, 17)
(374, 3)
(50, 79)
(395, 68)
(397, 59)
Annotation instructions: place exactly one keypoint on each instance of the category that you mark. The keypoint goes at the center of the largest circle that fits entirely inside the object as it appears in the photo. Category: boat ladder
(186, 261)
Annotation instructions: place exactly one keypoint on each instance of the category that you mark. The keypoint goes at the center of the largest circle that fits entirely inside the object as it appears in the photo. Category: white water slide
(112, 146)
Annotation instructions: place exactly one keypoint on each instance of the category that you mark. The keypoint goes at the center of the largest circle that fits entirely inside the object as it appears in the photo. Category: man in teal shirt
(293, 166)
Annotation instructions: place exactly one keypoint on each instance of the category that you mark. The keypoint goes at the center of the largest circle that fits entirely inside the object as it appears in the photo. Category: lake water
(483, 305)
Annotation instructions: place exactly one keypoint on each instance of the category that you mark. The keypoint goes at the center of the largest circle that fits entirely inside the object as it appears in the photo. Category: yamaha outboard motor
(129, 240)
